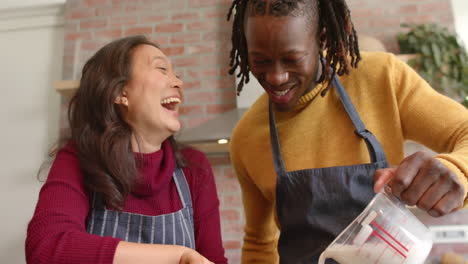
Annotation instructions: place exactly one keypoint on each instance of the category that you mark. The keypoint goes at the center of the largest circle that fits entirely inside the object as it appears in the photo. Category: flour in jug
(375, 253)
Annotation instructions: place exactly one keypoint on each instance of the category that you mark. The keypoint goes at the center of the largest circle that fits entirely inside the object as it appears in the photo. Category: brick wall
(196, 36)
(382, 19)
(232, 215)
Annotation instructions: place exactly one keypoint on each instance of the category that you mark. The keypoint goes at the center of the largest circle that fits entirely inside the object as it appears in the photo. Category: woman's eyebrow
(158, 58)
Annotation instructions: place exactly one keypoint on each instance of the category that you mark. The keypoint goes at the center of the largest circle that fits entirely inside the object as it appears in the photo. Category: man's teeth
(171, 100)
(281, 93)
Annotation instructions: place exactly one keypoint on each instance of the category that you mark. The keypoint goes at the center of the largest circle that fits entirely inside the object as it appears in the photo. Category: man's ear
(323, 39)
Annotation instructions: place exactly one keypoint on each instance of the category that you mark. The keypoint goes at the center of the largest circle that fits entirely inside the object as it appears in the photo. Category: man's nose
(277, 77)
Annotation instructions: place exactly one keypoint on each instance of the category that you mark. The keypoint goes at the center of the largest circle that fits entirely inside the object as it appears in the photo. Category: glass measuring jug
(386, 232)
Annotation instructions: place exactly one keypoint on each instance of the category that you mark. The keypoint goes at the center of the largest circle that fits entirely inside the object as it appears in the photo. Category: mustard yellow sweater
(394, 103)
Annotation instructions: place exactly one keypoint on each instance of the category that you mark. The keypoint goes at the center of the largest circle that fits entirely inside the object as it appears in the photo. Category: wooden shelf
(67, 88)
(406, 57)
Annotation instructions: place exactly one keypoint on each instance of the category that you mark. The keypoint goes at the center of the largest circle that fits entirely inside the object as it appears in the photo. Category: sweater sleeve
(433, 120)
(261, 233)
(57, 232)
(206, 215)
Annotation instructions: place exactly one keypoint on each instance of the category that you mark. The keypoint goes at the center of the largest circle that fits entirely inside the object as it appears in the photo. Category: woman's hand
(129, 252)
(190, 256)
(422, 180)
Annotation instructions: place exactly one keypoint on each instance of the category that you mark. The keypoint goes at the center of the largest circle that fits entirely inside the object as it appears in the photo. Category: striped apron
(171, 229)
(315, 205)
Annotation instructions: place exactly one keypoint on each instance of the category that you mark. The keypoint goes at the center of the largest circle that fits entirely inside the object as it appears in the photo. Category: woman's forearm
(130, 253)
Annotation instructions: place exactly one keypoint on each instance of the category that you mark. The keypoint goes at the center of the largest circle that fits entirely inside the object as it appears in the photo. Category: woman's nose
(176, 81)
(276, 77)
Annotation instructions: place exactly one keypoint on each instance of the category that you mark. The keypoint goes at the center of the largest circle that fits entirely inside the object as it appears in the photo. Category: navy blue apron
(315, 205)
(171, 229)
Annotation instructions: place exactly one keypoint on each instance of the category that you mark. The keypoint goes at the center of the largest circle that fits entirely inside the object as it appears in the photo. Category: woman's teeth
(171, 103)
(281, 93)
(171, 100)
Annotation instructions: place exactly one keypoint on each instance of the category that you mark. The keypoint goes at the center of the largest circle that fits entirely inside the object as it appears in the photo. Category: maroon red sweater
(57, 231)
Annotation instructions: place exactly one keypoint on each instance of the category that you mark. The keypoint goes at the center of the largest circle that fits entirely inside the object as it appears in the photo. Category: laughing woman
(120, 190)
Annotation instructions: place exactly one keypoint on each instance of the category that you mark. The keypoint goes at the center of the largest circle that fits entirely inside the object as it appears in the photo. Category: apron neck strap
(375, 149)
(275, 145)
(182, 187)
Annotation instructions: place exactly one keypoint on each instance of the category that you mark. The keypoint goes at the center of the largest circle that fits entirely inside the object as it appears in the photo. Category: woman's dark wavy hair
(335, 32)
(101, 136)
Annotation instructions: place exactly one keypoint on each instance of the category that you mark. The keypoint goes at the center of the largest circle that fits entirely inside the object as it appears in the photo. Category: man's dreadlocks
(335, 31)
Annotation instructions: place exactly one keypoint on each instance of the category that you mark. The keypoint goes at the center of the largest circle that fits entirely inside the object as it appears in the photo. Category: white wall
(31, 60)
(460, 11)
(27, 3)
(250, 92)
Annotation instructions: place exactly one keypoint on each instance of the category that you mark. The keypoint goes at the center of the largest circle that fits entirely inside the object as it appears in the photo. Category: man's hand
(422, 180)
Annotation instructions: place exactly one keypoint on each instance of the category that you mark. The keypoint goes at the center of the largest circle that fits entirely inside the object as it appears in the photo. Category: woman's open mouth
(171, 104)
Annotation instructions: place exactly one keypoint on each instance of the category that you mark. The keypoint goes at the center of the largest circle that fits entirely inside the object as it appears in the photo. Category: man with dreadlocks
(309, 153)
